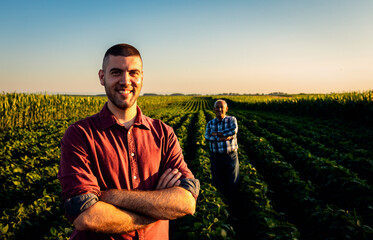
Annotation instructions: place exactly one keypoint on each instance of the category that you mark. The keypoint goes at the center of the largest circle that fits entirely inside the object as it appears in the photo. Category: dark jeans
(225, 172)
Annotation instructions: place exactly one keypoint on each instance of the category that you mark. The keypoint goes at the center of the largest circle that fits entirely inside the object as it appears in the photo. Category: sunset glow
(205, 47)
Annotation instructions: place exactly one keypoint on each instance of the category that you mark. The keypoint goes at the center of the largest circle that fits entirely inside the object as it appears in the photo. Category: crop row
(348, 138)
(334, 182)
(298, 198)
(355, 106)
(256, 217)
(29, 189)
(211, 218)
(357, 160)
(20, 110)
(298, 179)
(196, 104)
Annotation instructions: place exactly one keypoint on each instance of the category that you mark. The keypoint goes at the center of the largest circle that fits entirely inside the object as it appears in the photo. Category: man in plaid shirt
(221, 133)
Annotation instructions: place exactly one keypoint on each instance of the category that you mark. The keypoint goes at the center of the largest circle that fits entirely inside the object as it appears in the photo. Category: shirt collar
(222, 119)
(108, 119)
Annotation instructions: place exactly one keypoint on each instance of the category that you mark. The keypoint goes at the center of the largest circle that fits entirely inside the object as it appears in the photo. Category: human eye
(135, 73)
(115, 72)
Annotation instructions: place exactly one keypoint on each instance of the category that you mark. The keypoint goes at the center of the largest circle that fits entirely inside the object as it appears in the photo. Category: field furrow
(305, 164)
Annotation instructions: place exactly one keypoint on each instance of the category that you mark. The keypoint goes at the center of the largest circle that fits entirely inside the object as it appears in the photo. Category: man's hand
(225, 138)
(170, 178)
(219, 134)
(168, 201)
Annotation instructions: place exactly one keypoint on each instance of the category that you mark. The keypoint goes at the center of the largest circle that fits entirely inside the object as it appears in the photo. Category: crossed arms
(225, 135)
(221, 136)
(122, 211)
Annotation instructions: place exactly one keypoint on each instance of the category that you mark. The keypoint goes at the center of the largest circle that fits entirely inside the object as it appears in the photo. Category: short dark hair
(121, 49)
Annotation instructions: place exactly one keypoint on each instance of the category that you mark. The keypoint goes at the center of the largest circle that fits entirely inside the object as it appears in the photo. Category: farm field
(305, 161)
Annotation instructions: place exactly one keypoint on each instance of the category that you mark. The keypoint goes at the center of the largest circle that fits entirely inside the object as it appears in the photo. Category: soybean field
(306, 164)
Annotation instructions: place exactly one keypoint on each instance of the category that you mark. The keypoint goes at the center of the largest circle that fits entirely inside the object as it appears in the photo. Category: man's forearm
(222, 139)
(170, 203)
(106, 218)
(210, 136)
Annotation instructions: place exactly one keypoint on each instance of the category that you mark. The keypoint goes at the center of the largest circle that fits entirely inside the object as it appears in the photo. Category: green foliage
(302, 177)
(356, 106)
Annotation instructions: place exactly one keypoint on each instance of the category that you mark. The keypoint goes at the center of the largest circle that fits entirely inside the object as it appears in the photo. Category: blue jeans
(225, 171)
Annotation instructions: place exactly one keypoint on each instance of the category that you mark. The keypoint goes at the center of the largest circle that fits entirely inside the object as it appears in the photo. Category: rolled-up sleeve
(175, 159)
(192, 185)
(75, 172)
(78, 204)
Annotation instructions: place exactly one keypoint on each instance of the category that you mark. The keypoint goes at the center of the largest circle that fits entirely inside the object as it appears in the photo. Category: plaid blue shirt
(228, 127)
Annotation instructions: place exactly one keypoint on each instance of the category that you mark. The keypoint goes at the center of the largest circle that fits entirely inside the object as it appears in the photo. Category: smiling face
(220, 109)
(122, 78)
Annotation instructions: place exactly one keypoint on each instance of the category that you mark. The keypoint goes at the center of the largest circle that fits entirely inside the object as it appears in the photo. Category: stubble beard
(119, 103)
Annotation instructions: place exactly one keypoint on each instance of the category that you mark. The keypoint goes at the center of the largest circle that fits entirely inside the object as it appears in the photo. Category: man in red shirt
(122, 174)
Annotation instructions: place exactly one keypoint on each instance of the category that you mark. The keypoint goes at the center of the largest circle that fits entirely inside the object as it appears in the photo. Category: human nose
(125, 79)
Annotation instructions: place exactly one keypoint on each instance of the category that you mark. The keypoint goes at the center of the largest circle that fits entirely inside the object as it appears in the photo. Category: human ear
(101, 76)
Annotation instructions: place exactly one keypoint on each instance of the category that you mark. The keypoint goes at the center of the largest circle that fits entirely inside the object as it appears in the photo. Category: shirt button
(132, 154)
(129, 133)
(134, 177)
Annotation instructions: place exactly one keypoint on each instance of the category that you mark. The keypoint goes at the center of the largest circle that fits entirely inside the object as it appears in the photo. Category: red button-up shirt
(98, 153)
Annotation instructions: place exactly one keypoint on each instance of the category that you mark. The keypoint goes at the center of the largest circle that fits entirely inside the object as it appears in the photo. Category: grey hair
(220, 100)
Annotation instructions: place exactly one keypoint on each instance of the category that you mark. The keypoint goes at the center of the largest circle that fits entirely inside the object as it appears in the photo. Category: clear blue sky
(207, 47)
